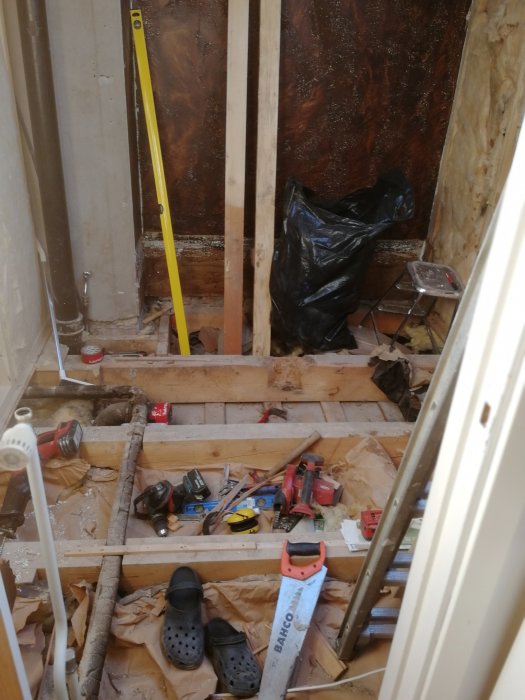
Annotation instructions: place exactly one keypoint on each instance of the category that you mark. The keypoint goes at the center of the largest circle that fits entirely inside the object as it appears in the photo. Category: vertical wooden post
(236, 98)
(270, 39)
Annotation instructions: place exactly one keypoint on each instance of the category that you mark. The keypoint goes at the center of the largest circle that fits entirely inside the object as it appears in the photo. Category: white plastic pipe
(18, 449)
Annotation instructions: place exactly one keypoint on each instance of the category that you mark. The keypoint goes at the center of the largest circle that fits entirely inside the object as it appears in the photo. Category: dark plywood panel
(364, 86)
(186, 44)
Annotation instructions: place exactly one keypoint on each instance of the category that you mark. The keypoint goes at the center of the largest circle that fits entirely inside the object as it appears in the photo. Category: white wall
(22, 314)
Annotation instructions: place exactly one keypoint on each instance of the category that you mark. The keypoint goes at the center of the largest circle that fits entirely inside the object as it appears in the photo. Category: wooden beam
(236, 99)
(216, 379)
(259, 445)
(203, 273)
(269, 47)
(233, 555)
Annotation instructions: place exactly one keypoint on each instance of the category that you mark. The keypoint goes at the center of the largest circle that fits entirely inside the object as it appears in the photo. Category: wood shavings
(173, 523)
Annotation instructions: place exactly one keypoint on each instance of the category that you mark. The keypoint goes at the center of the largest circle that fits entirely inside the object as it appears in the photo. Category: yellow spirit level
(160, 181)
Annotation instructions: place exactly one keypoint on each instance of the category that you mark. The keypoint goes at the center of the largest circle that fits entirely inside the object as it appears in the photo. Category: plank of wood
(229, 555)
(304, 412)
(203, 273)
(154, 315)
(166, 547)
(243, 413)
(236, 101)
(204, 312)
(215, 413)
(163, 336)
(189, 413)
(209, 378)
(259, 445)
(321, 651)
(267, 117)
(333, 412)
(391, 411)
(359, 411)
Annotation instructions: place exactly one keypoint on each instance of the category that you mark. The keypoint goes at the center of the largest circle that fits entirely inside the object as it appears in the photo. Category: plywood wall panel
(367, 86)
(186, 44)
(488, 110)
(364, 86)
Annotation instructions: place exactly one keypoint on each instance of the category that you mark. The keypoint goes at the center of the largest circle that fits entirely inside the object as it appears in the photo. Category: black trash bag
(322, 255)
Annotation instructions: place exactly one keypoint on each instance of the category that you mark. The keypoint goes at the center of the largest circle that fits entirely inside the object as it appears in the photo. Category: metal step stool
(419, 279)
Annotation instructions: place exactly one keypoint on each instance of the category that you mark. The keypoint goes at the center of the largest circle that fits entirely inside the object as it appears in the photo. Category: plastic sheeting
(322, 255)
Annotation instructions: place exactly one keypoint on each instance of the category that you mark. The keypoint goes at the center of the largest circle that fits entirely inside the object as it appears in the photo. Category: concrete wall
(88, 70)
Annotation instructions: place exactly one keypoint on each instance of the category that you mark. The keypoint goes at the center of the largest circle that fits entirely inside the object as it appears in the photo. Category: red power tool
(369, 522)
(302, 485)
(64, 441)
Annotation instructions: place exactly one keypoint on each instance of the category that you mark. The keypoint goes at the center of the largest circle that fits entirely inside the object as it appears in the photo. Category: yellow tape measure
(160, 180)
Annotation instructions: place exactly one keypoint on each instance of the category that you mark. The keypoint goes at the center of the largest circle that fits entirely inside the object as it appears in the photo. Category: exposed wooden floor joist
(203, 378)
(258, 445)
(207, 555)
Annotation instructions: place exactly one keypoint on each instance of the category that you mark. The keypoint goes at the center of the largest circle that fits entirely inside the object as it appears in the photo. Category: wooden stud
(269, 46)
(236, 99)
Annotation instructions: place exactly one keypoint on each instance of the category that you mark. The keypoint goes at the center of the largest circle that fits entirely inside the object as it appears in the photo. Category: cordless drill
(159, 500)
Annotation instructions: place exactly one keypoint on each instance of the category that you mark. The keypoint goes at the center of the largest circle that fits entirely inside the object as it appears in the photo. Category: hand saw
(298, 594)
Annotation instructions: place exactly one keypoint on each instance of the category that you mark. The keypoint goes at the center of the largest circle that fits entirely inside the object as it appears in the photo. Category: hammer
(272, 411)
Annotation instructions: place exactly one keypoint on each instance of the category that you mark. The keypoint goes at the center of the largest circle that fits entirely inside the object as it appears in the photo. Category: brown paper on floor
(82, 593)
(83, 515)
(22, 609)
(31, 641)
(130, 672)
(249, 605)
(366, 474)
(141, 623)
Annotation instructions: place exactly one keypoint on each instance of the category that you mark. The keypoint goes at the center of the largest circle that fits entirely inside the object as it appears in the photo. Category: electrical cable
(324, 686)
(335, 684)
